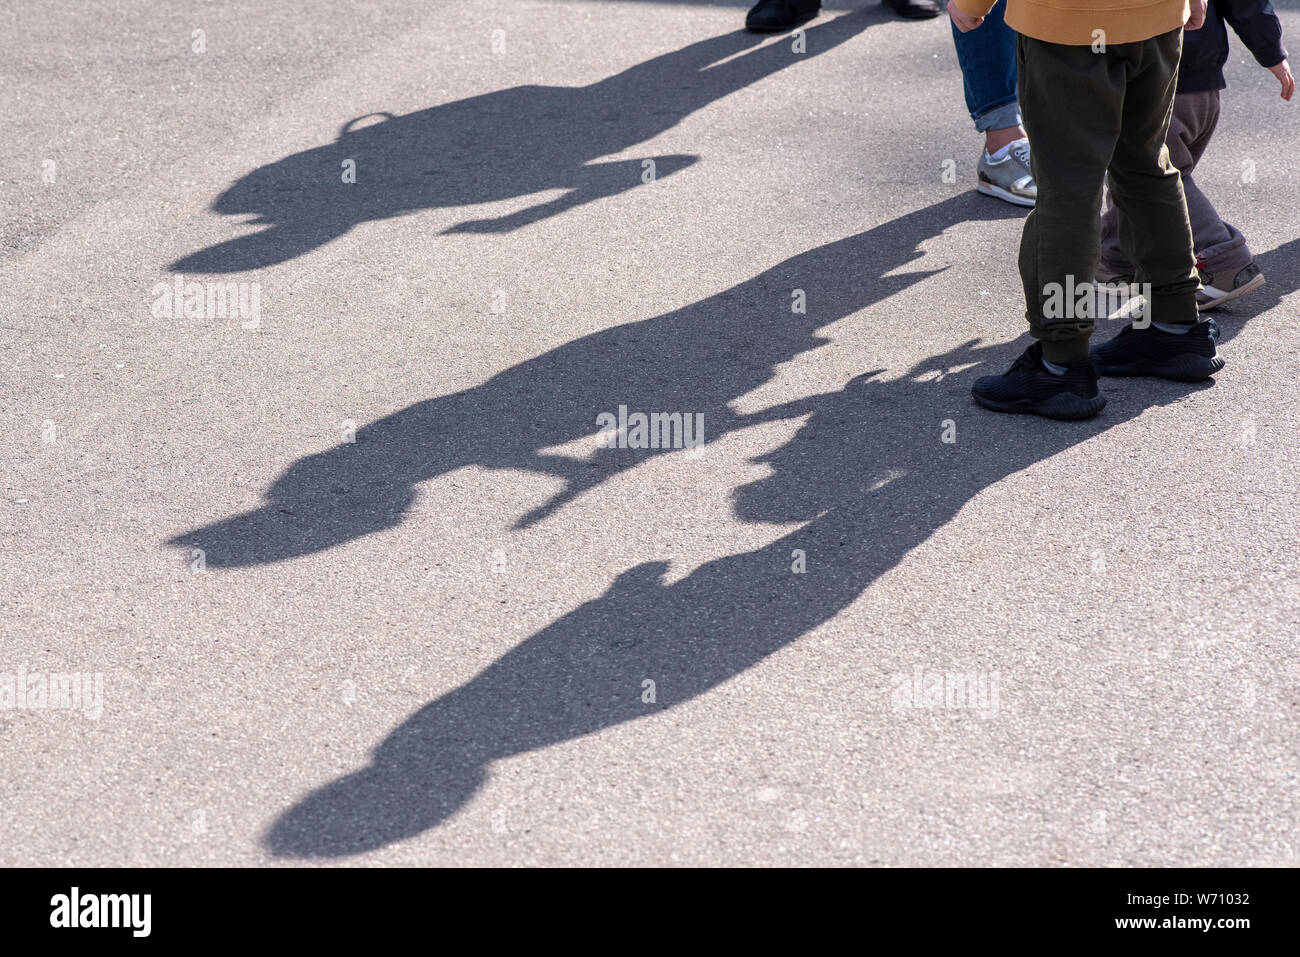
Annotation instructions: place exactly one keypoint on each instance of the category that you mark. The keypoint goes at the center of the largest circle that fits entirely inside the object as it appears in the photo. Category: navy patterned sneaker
(1029, 386)
(1189, 357)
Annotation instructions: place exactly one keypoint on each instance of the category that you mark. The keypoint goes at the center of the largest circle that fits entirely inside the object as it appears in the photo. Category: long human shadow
(697, 359)
(501, 145)
(867, 471)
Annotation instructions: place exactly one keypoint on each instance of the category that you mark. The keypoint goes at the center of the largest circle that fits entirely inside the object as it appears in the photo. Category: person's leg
(987, 57)
(1058, 248)
(1147, 187)
(1072, 146)
(1221, 250)
(1169, 342)
(1185, 141)
(1195, 116)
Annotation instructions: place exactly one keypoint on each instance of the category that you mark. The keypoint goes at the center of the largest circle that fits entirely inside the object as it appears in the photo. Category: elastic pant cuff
(1065, 351)
(1175, 310)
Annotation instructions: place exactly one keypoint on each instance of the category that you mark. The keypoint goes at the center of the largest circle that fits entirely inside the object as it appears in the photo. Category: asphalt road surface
(328, 566)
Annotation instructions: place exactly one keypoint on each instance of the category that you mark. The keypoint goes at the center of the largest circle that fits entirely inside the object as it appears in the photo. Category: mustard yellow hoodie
(1072, 22)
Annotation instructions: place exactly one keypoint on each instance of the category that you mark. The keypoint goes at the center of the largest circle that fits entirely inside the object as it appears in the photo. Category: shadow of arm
(601, 180)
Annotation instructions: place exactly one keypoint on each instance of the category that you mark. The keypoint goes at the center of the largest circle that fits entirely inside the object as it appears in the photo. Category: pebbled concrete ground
(360, 587)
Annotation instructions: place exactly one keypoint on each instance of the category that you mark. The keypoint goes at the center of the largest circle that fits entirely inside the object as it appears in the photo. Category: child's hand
(1283, 73)
(964, 22)
(1197, 19)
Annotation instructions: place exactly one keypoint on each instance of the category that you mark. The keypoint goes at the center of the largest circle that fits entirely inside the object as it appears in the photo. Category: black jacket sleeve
(1258, 26)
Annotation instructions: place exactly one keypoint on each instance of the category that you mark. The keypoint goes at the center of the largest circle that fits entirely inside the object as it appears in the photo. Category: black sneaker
(1211, 296)
(914, 9)
(776, 16)
(1029, 387)
(1189, 357)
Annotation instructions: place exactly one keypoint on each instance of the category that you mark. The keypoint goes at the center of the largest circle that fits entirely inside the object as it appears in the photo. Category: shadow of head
(505, 145)
(404, 800)
(873, 478)
(869, 476)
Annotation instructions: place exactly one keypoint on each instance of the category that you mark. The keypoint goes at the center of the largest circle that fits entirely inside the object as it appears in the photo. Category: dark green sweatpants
(1088, 113)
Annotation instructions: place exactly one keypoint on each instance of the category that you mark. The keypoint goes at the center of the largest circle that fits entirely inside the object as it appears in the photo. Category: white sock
(1180, 329)
(1002, 153)
(1054, 369)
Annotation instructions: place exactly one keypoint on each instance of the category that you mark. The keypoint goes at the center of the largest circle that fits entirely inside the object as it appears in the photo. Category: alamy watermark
(64, 691)
(971, 691)
(654, 430)
(76, 909)
(1097, 300)
(181, 299)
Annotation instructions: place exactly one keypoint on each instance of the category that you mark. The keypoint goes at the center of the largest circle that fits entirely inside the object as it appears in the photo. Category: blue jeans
(988, 67)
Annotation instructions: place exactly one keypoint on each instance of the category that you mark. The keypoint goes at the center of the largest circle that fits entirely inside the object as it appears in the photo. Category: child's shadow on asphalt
(867, 471)
(506, 144)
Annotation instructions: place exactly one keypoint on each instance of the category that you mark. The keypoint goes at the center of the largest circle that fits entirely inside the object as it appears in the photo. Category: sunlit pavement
(319, 544)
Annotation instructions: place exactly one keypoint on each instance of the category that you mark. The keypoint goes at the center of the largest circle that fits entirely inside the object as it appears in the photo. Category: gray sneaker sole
(988, 189)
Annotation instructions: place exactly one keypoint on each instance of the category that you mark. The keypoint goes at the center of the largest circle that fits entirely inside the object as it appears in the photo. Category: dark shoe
(914, 9)
(1211, 296)
(775, 16)
(1029, 387)
(1189, 357)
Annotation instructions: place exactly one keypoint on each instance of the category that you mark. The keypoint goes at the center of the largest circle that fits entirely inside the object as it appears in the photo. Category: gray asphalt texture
(462, 633)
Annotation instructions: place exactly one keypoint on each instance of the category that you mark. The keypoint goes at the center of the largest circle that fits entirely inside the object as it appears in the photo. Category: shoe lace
(1021, 152)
